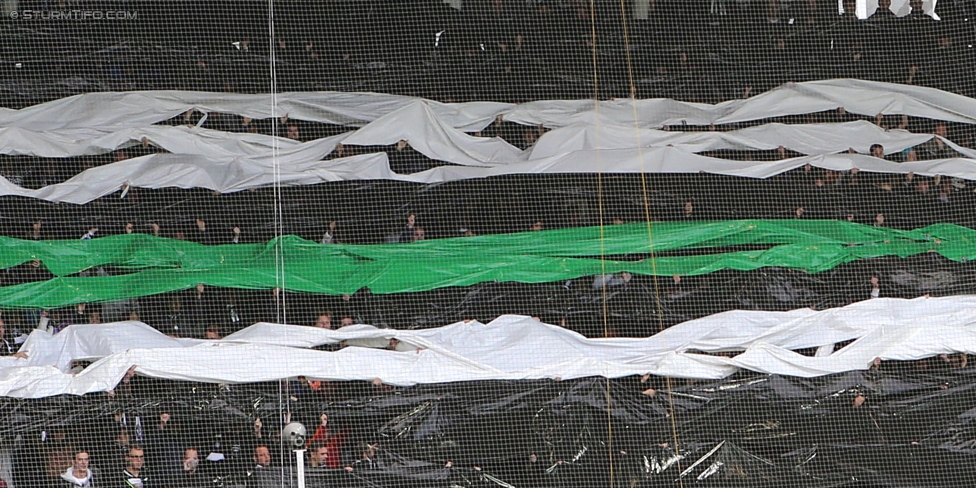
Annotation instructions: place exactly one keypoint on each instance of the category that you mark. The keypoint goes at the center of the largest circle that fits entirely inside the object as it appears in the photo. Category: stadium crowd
(884, 200)
(507, 50)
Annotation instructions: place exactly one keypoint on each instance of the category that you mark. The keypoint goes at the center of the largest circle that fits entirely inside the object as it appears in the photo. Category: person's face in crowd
(346, 321)
(324, 322)
(322, 453)
(123, 438)
(3, 329)
(418, 234)
(314, 457)
(370, 451)
(211, 334)
(941, 131)
(136, 458)
(292, 132)
(80, 462)
(689, 207)
(537, 225)
(878, 152)
(262, 456)
(190, 460)
(128, 227)
(879, 219)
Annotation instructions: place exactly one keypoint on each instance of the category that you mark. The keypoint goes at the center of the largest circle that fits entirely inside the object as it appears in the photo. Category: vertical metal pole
(300, 461)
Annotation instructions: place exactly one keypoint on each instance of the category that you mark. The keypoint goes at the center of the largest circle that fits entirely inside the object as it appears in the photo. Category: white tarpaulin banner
(810, 139)
(615, 136)
(110, 111)
(508, 348)
(436, 140)
(185, 171)
(236, 174)
(118, 110)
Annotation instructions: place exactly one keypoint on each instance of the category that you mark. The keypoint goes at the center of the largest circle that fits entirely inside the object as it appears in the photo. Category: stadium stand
(487, 243)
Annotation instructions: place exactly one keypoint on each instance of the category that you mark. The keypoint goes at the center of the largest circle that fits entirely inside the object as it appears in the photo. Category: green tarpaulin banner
(157, 265)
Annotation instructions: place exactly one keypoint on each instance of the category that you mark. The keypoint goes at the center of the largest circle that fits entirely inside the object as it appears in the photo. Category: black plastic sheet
(910, 427)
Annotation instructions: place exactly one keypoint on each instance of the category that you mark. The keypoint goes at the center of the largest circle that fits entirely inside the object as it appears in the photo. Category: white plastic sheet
(188, 171)
(111, 111)
(228, 175)
(417, 124)
(615, 136)
(107, 111)
(508, 348)
(810, 139)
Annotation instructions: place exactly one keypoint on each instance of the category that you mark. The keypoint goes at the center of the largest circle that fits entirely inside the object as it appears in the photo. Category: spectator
(407, 234)
(190, 476)
(330, 235)
(332, 438)
(134, 476)
(324, 321)
(367, 460)
(80, 474)
(164, 446)
(291, 132)
(213, 333)
(36, 233)
(7, 345)
(418, 234)
(877, 150)
(318, 453)
(203, 235)
(262, 457)
(936, 148)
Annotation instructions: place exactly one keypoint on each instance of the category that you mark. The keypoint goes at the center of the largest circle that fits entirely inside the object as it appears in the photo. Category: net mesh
(486, 243)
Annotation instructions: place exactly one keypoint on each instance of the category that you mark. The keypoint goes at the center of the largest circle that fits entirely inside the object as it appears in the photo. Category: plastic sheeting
(533, 257)
(114, 111)
(227, 175)
(614, 136)
(120, 110)
(188, 171)
(913, 429)
(16, 141)
(508, 348)
(418, 125)
(810, 139)
(675, 160)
